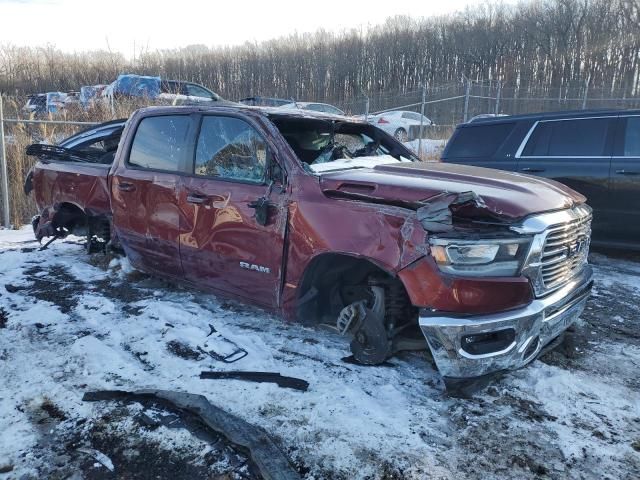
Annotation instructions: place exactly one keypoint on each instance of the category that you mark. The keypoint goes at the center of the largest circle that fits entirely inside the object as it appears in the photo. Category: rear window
(479, 141)
(160, 143)
(568, 138)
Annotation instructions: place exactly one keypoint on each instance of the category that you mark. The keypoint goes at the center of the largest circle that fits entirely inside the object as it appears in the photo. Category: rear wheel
(401, 135)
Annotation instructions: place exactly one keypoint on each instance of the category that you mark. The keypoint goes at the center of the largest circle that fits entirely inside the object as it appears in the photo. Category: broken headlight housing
(480, 258)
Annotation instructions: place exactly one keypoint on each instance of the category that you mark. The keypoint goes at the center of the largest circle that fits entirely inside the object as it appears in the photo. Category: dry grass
(19, 136)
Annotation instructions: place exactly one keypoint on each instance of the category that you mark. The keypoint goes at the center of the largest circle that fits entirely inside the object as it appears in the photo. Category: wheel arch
(323, 272)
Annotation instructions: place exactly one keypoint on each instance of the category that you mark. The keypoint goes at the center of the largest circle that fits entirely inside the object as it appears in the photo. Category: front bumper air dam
(527, 330)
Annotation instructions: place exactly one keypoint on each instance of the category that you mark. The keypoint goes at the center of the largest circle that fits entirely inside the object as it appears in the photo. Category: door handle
(196, 198)
(628, 172)
(532, 170)
(126, 186)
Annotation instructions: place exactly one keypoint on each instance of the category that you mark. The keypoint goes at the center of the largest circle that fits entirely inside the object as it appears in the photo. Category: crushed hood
(503, 195)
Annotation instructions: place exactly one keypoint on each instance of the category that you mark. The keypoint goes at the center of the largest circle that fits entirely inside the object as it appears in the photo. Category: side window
(538, 144)
(569, 138)
(160, 142)
(316, 107)
(230, 148)
(196, 91)
(479, 141)
(632, 137)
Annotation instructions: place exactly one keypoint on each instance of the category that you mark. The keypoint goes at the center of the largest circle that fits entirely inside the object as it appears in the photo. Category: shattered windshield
(326, 145)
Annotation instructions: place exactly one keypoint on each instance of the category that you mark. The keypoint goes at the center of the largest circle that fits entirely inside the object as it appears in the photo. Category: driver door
(223, 245)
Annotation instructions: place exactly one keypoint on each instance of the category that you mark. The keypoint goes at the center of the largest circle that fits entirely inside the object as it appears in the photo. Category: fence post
(3, 171)
(467, 92)
(586, 91)
(498, 94)
(366, 109)
(424, 99)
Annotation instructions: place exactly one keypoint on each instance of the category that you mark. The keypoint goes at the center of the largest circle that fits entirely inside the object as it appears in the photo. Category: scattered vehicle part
(259, 377)
(236, 352)
(99, 457)
(270, 460)
(232, 357)
(487, 266)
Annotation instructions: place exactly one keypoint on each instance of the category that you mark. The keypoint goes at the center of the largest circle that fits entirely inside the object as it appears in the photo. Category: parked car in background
(328, 219)
(50, 102)
(56, 102)
(184, 92)
(72, 100)
(173, 92)
(316, 107)
(127, 85)
(594, 152)
(258, 101)
(401, 124)
(36, 104)
(90, 94)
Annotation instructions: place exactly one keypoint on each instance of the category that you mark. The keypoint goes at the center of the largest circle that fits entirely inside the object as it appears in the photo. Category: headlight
(480, 258)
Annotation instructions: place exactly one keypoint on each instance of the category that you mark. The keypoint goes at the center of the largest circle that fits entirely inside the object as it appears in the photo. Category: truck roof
(264, 111)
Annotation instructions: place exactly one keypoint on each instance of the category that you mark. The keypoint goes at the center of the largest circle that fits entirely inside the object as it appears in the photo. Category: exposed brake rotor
(371, 344)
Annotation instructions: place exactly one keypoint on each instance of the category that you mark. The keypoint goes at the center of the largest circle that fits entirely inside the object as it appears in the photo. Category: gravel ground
(70, 323)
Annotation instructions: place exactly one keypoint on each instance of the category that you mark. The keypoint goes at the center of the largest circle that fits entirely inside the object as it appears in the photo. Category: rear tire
(401, 135)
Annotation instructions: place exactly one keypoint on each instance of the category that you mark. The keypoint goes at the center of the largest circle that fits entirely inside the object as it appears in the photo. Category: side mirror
(261, 207)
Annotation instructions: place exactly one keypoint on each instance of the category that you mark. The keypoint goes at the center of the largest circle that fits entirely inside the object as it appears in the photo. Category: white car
(316, 107)
(401, 124)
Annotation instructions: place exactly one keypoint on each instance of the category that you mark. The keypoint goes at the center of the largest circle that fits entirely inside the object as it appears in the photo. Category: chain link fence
(445, 105)
(458, 102)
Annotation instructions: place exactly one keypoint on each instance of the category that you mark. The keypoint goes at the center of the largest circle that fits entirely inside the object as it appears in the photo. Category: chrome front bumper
(532, 328)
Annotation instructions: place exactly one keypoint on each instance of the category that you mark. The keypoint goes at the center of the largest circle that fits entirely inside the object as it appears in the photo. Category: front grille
(565, 252)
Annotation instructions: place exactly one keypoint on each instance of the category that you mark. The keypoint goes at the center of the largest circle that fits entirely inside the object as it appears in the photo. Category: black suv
(596, 152)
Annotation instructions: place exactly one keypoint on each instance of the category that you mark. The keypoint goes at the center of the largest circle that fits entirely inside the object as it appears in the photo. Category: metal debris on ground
(259, 377)
(263, 451)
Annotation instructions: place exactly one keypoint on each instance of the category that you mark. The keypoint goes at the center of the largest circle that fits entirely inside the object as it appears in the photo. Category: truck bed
(81, 184)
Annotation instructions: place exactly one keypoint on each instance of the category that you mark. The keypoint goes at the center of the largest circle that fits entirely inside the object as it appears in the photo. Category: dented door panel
(223, 247)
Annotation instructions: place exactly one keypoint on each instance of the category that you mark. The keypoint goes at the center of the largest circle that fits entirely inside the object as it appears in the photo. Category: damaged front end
(493, 290)
(548, 251)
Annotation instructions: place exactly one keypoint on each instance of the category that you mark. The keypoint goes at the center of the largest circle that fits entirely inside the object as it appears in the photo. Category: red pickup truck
(326, 219)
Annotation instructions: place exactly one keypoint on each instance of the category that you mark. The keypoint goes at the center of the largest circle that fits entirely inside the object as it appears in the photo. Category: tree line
(541, 47)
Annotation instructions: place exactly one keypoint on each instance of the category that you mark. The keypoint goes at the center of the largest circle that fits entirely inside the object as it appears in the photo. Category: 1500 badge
(254, 267)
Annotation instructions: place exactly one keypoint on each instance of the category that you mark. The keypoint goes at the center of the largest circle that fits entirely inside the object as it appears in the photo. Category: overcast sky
(76, 25)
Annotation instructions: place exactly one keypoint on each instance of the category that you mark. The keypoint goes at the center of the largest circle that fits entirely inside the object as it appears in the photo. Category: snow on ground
(430, 149)
(73, 323)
